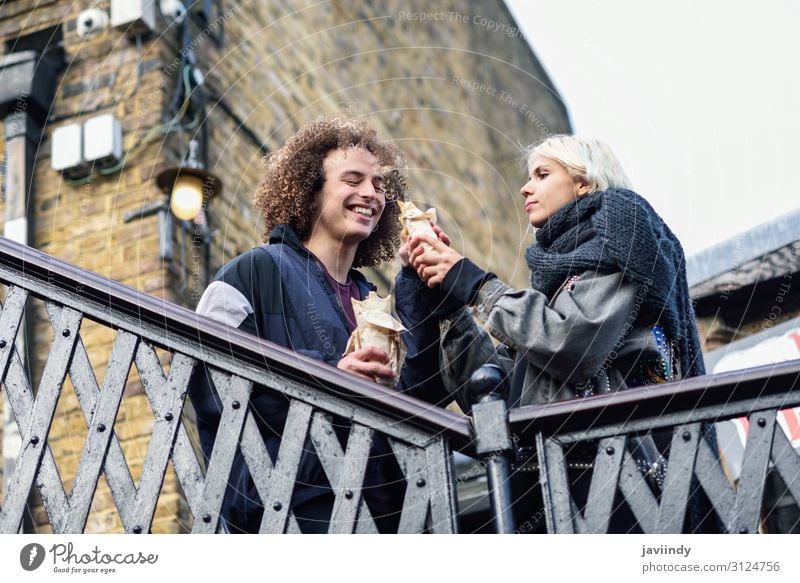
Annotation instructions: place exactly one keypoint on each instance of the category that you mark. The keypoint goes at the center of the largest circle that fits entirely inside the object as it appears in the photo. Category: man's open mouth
(362, 210)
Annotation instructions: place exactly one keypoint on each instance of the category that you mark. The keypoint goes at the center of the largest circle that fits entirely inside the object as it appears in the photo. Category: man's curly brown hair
(295, 175)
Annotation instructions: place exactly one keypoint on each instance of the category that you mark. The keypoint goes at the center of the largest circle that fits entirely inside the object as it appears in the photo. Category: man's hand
(368, 362)
(434, 259)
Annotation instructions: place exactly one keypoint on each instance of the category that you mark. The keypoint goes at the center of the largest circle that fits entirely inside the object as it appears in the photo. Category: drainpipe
(27, 88)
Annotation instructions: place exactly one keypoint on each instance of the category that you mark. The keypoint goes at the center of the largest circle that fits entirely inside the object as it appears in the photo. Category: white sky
(699, 100)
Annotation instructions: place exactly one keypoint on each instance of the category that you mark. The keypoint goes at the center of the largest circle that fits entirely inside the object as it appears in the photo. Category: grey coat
(586, 339)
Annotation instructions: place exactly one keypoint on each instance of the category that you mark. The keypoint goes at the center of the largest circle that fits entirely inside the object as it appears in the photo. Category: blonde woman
(608, 307)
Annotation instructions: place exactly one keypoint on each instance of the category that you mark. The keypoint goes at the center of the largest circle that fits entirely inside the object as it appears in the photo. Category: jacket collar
(284, 234)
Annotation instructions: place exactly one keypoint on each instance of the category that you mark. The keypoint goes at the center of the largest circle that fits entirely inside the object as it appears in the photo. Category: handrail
(187, 325)
(643, 403)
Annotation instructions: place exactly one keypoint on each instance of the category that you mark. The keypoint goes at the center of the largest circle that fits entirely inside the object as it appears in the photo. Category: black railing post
(486, 393)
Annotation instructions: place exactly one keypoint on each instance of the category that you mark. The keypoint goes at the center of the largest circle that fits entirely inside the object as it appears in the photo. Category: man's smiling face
(352, 198)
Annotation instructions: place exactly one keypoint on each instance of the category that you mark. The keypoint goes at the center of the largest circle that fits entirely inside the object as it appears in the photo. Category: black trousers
(313, 516)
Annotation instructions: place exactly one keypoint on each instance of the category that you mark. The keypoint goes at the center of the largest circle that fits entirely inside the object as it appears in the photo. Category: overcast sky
(698, 99)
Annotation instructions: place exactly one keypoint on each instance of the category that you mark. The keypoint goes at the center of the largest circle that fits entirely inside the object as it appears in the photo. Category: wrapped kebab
(416, 222)
(376, 326)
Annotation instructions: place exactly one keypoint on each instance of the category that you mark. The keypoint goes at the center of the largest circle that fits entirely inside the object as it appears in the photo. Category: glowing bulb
(187, 197)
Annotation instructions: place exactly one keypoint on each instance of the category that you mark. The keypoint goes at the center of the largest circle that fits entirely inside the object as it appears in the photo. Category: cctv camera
(92, 22)
(173, 10)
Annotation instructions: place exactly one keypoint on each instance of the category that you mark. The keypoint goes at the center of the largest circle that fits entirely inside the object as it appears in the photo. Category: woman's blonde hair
(585, 159)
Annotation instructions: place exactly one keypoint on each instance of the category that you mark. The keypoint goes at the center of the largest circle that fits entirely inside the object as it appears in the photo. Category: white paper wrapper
(416, 222)
(375, 326)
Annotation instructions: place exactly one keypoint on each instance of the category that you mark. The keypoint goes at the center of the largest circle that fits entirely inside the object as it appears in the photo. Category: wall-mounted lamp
(188, 189)
(189, 186)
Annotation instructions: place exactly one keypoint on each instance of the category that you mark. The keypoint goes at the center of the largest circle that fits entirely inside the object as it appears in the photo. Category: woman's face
(549, 189)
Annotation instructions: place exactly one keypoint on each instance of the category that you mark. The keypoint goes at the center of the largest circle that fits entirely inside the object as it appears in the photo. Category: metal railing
(682, 409)
(422, 437)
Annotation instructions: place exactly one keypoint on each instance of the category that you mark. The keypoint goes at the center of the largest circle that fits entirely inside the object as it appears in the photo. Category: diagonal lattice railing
(682, 408)
(421, 437)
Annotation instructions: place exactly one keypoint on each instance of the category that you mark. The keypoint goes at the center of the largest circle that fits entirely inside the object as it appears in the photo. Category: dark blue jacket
(279, 292)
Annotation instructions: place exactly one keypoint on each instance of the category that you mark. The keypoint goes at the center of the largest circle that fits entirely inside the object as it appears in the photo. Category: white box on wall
(66, 147)
(102, 140)
(134, 16)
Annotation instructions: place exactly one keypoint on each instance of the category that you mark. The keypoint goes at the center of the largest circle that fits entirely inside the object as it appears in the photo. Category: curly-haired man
(326, 203)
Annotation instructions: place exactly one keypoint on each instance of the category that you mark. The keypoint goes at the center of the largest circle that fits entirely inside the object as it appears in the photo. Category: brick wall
(459, 93)
(83, 225)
